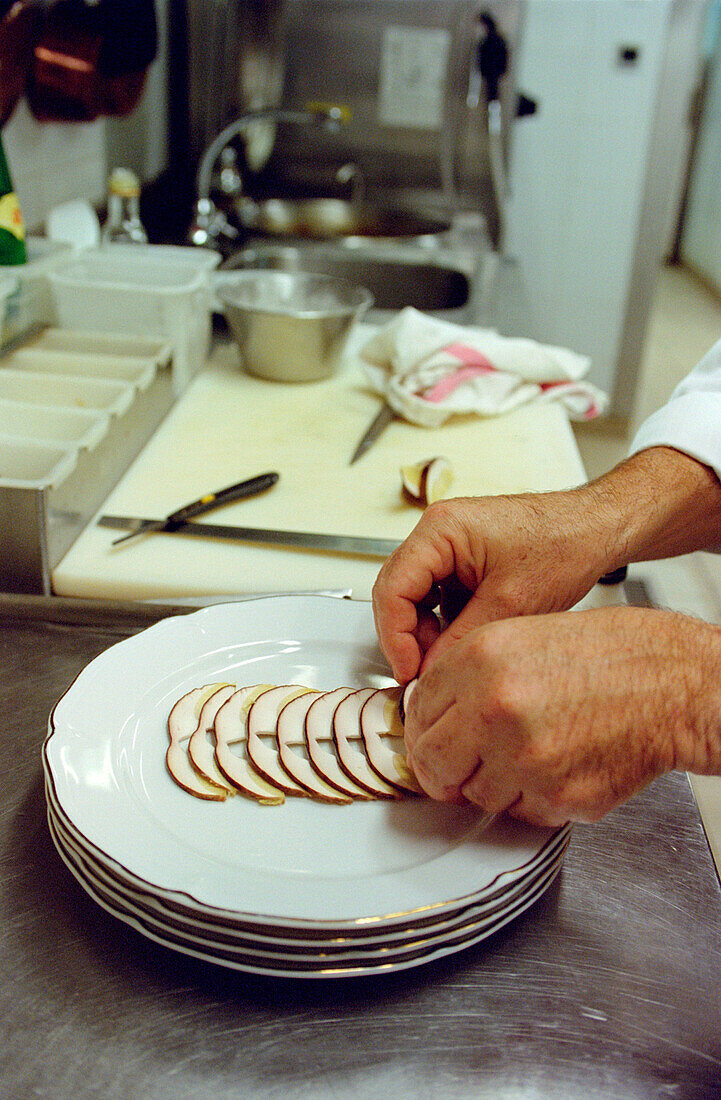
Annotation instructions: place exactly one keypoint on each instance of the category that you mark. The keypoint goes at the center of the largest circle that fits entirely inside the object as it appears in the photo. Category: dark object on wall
(89, 61)
(492, 55)
(18, 27)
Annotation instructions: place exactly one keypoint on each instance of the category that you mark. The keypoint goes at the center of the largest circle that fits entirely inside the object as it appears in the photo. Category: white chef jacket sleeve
(691, 419)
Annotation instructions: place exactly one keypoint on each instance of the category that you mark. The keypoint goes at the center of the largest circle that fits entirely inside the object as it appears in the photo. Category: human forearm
(659, 503)
(695, 649)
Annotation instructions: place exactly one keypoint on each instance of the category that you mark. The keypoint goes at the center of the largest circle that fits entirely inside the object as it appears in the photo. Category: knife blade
(304, 540)
(307, 540)
(377, 425)
(248, 488)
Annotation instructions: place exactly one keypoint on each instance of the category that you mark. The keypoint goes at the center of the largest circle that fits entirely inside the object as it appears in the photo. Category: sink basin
(430, 287)
(323, 219)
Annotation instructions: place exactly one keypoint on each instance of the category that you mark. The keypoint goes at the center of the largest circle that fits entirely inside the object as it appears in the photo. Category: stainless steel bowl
(290, 327)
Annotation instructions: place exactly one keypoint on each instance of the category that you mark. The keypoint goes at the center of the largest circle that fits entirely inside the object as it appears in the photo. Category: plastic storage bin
(26, 300)
(156, 290)
(75, 410)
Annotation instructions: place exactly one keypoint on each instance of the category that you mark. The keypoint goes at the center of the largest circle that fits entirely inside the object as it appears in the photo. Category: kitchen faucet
(209, 223)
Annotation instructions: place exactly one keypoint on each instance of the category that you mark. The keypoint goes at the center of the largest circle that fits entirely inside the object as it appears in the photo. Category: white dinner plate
(148, 906)
(316, 965)
(303, 864)
(262, 933)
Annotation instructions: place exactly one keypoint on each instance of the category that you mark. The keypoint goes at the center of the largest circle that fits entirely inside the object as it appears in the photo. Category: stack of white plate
(303, 890)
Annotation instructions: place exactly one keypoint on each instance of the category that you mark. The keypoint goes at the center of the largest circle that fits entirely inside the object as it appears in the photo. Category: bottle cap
(125, 183)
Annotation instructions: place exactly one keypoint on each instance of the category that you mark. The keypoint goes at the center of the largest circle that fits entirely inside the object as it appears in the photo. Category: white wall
(584, 240)
(701, 239)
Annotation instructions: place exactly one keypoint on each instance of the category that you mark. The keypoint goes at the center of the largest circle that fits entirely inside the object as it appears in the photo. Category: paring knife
(377, 425)
(248, 488)
(307, 540)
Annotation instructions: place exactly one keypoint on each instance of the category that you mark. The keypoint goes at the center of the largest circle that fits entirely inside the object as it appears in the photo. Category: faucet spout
(209, 224)
(330, 116)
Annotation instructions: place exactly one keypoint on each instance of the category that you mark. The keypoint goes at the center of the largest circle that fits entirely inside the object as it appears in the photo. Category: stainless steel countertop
(608, 988)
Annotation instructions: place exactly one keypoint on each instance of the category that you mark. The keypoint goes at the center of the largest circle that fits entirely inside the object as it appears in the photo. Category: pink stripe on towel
(476, 363)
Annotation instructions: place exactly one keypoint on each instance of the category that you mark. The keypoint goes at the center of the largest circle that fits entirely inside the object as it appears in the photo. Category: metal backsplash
(405, 69)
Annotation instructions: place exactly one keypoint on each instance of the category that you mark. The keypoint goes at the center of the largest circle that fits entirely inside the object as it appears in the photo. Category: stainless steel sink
(430, 287)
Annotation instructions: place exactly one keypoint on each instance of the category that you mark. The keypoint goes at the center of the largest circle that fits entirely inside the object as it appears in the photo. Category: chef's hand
(487, 558)
(498, 557)
(561, 717)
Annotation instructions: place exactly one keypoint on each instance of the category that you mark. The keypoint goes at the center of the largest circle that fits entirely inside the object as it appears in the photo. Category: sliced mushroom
(293, 752)
(201, 747)
(350, 747)
(263, 747)
(427, 481)
(322, 747)
(382, 732)
(182, 724)
(405, 699)
(231, 729)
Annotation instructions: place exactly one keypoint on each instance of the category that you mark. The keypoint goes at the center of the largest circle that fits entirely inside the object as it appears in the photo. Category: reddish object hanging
(18, 27)
(86, 63)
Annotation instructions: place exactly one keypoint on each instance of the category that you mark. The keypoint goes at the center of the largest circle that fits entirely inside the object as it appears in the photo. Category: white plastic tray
(58, 427)
(60, 393)
(29, 465)
(137, 290)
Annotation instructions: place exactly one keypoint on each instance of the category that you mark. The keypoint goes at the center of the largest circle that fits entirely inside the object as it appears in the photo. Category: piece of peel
(406, 698)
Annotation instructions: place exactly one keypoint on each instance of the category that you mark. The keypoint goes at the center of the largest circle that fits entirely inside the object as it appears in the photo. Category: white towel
(427, 370)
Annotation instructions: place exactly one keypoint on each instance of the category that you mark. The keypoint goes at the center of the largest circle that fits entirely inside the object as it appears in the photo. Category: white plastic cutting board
(229, 426)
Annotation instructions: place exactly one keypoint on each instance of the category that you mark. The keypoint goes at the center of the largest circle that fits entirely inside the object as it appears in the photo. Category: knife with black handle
(249, 488)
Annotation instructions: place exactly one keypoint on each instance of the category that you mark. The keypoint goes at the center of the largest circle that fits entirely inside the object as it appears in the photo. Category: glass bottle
(123, 224)
(12, 227)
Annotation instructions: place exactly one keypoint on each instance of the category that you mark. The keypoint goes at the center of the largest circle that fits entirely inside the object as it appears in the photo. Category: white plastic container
(66, 391)
(23, 422)
(152, 290)
(26, 299)
(34, 465)
(75, 410)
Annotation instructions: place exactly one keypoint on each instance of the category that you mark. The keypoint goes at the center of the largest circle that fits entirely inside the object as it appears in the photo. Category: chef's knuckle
(426, 772)
(500, 695)
(543, 758)
(510, 597)
(432, 754)
(437, 514)
(498, 710)
(483, 648)
(556, 800)
(486, 795)
(580, 802)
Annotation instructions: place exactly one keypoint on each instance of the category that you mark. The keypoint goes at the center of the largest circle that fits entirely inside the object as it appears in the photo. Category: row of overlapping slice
(269, 742)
